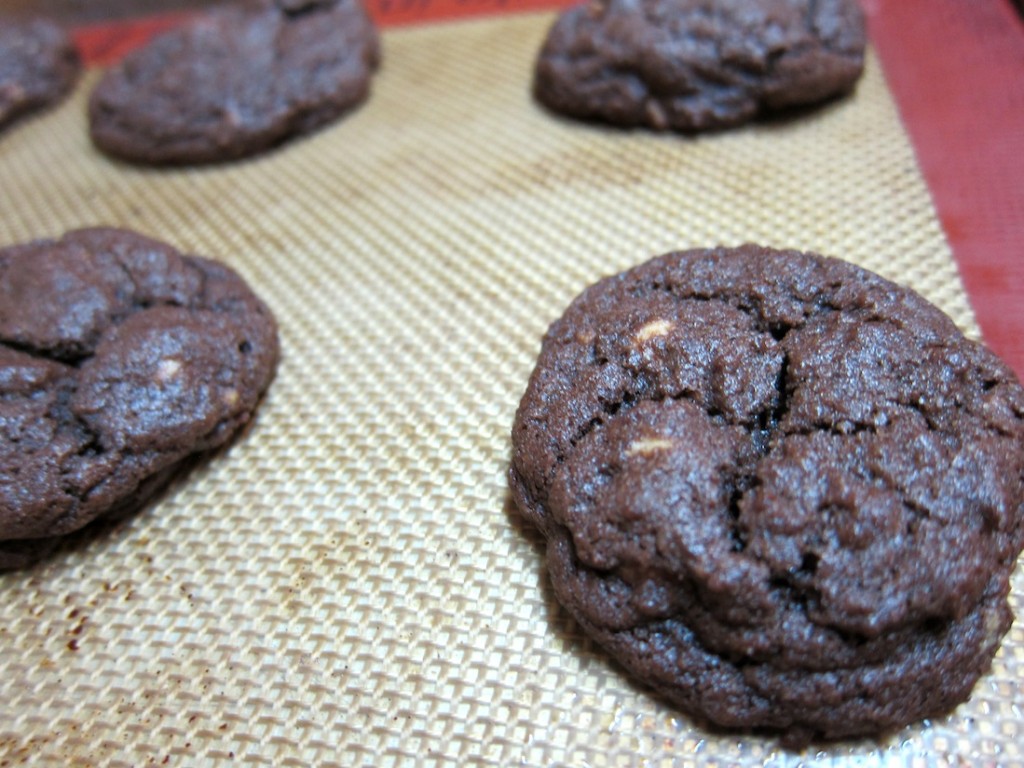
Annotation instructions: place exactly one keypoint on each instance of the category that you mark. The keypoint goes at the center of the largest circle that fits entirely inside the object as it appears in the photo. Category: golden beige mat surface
(347, 584)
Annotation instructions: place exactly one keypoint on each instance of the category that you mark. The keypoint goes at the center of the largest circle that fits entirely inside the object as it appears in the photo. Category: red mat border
(102, 44)
(956, 70)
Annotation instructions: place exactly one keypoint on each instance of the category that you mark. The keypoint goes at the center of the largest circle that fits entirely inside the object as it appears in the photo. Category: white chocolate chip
(167, 369)
(647, 446)
(652, 329)
(992, 633)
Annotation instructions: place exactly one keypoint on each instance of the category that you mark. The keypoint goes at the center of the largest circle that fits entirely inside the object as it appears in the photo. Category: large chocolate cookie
(785, 492)
(119, 360)
(691, 65)
(38, 66)
(236, 82)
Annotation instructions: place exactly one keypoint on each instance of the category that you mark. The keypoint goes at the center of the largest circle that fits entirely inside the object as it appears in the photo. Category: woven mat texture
(347, 584)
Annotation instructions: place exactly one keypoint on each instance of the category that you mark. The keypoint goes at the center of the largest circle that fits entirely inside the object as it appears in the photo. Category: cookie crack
(919, 513)
(296, 9)
(784, 392)
(812, 13)
(844, 428)
(88, 438)
(89, 448)
(68, 357)
(778, 329)
(609, 409)
(25, 348)
(143, 304)
(732, 516)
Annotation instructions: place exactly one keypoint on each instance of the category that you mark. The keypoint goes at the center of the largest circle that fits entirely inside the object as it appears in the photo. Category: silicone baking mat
(348, 583)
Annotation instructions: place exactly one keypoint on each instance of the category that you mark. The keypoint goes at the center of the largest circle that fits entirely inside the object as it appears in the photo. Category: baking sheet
(347, 583)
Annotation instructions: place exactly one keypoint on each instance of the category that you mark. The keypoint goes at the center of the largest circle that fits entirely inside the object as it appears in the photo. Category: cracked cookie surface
(119, 359)
(38, 66)
(693, 65)
(238, 81)
(781, 490)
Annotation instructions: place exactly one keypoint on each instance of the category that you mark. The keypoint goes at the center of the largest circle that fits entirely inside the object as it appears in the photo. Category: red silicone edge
(956, 71)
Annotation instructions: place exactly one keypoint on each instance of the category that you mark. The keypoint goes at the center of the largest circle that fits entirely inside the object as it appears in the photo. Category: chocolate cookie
(692, 65)
(120, 359)
(38, 66)
(236, 82)
(784, 492)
